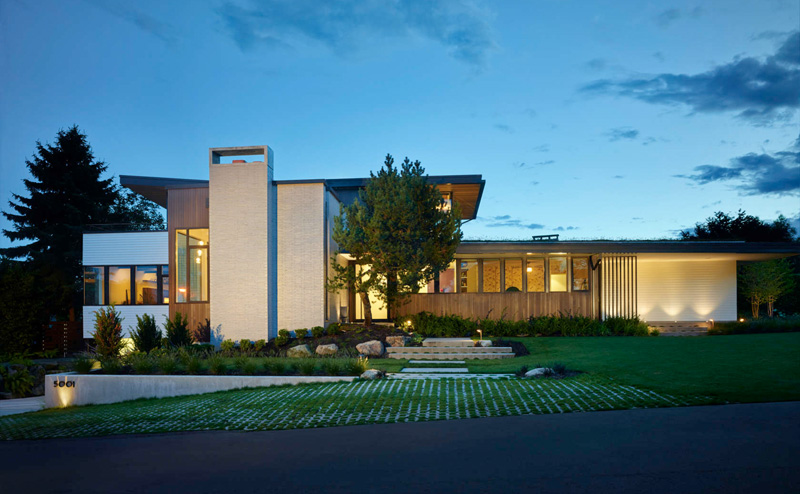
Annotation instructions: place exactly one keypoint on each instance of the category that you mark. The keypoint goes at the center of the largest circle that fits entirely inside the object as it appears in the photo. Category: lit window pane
(513, 272)
(198, 236)
(165, 284)
(146, 285)
(119, 285)
(94, 286)
(580, 274)
(535, 274)
(180, 266)
(558, 274)
(447, 279)
(198, 274)
(469, 276)
(491, 275)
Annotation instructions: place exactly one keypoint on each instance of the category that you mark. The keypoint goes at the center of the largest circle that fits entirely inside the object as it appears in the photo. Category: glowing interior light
(530, 270)
(182, 290)
(202, 243)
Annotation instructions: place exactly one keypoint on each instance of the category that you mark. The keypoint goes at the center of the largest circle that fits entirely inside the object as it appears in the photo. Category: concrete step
(448, 342)
(435, 370)
(445, 356)
(422, 349)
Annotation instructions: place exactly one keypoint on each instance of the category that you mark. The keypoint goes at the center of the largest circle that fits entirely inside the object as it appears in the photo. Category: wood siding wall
(517, 306)
(186, 208)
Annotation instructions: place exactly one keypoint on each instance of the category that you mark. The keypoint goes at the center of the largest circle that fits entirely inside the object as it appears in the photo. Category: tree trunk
(367, 308)
(769, 307)
(754, 306)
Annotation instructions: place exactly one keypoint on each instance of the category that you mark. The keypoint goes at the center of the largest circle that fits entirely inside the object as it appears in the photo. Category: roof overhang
(653, 249)
(155, 188)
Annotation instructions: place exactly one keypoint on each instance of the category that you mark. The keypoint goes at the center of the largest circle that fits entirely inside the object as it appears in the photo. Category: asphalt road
(733, 448)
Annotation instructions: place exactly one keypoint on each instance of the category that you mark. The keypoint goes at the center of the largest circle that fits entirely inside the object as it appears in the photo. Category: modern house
(252, 254)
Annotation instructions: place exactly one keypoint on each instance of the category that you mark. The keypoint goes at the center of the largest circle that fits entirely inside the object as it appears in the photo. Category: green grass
(337, 404)
(742, 368)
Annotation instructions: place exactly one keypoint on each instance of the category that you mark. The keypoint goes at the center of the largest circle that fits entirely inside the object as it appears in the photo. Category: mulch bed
(350, 336)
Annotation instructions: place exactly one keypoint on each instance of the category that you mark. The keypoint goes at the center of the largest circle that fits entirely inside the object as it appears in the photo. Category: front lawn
(742, 368)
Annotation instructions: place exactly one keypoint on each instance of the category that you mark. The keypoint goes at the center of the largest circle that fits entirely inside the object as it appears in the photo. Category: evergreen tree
(399, 234)
(743, 226)
(66, 193)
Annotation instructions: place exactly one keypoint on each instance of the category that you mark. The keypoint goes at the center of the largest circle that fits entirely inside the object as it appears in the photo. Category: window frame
(188, 249)
(133, 268)
(572, 274)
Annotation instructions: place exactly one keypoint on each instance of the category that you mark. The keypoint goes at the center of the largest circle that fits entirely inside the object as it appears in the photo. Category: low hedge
(787, 324)
(452, 326)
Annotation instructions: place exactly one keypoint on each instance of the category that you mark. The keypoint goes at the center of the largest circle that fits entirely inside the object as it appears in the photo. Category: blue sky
(606, 119)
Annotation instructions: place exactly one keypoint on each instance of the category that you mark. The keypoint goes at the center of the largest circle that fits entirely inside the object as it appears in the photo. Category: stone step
(422, 349)
(445, 356)
(436, 370)
(436, 361)
(448, 342)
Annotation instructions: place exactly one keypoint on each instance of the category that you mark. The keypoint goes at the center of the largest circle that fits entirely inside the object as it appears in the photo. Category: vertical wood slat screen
(618, 286)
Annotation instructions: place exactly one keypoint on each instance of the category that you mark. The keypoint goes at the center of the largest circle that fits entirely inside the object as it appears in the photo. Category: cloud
(531, 112)
(622, 133)
(501, 218)
(618, 177)
(597, 64)
(659, 56)
(504, 128)
(344, 26)
(757, 173)
(508, 222)
(527, 166)
(565, 228)
(542, 148)
(667, 17)
(143, 21)
(762, 91)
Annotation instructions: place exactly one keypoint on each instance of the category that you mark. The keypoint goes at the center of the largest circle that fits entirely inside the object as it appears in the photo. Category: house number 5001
(63, 384)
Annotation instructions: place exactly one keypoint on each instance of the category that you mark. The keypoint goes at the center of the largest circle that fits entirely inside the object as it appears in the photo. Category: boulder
(299, 351)
(539, 372)
(397, 340)
(327, 349)
(371, 374)
(373, 348)
(483, 343)
(38, 373)
(5, 395)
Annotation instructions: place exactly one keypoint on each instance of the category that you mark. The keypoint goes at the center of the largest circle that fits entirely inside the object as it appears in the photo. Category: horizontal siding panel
(118, 249)
(128, 313)
(687, 290)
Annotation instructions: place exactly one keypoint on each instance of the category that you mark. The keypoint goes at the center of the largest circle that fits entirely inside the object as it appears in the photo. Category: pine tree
(398, 233)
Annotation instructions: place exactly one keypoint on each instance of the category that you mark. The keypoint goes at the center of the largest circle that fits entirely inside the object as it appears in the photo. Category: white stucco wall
(301, 255)
(128, 313)
(672, 290)
(241, 197)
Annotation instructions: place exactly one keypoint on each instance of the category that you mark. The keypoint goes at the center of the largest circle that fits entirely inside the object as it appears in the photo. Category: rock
(483, 343)
(299, 351)
(539, 372)
(371, 374)
(372, 348)
(5, 396)
(397, 340)
(327, 349)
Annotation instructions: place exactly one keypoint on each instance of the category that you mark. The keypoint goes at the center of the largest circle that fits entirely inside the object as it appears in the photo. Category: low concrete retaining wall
(68, 389)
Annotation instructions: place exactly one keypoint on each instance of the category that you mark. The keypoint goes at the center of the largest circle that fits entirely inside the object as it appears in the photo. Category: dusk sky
(603, 119)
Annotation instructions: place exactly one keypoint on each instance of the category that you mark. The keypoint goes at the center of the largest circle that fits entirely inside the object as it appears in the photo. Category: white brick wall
(128, 313)
(240, 197)
(301, 255)
(687, 290)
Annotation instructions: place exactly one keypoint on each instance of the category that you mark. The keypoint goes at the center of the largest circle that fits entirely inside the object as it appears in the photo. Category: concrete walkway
(731, 449)
(21, 405)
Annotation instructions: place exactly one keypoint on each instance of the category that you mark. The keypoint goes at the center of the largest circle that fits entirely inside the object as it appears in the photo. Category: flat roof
(627, 246)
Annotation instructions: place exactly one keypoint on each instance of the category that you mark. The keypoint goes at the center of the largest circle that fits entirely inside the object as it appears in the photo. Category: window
(447, 279)
(146, 285)
(119, 285)
(491, 275)
(469, 276)
(94, 286)
(535, 275)
(558, 274)
(580, 274)
(164, 284)
(191, 261)
(513, 272)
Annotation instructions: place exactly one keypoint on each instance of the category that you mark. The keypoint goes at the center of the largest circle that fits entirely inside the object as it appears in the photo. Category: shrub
(202, 333)
(141, 363)
(216, 365)
(356, 366)
(107, 332)
(111, 365)
(146, 336)
(334, 328)
(19, 383)
(317, 332)
(194, 365)
(301, 333)
(521, 371)
(279, 366)
(259, 345)
(292, 368)
(178, 331)
(761, 325)
(168, 363)
(307, 367)
(245, 345)
(331, 367)
(246, 365)
(83, 363)
(447, 326)
(282, 338)
(624, 326)
(559, 368)
(227, 345)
